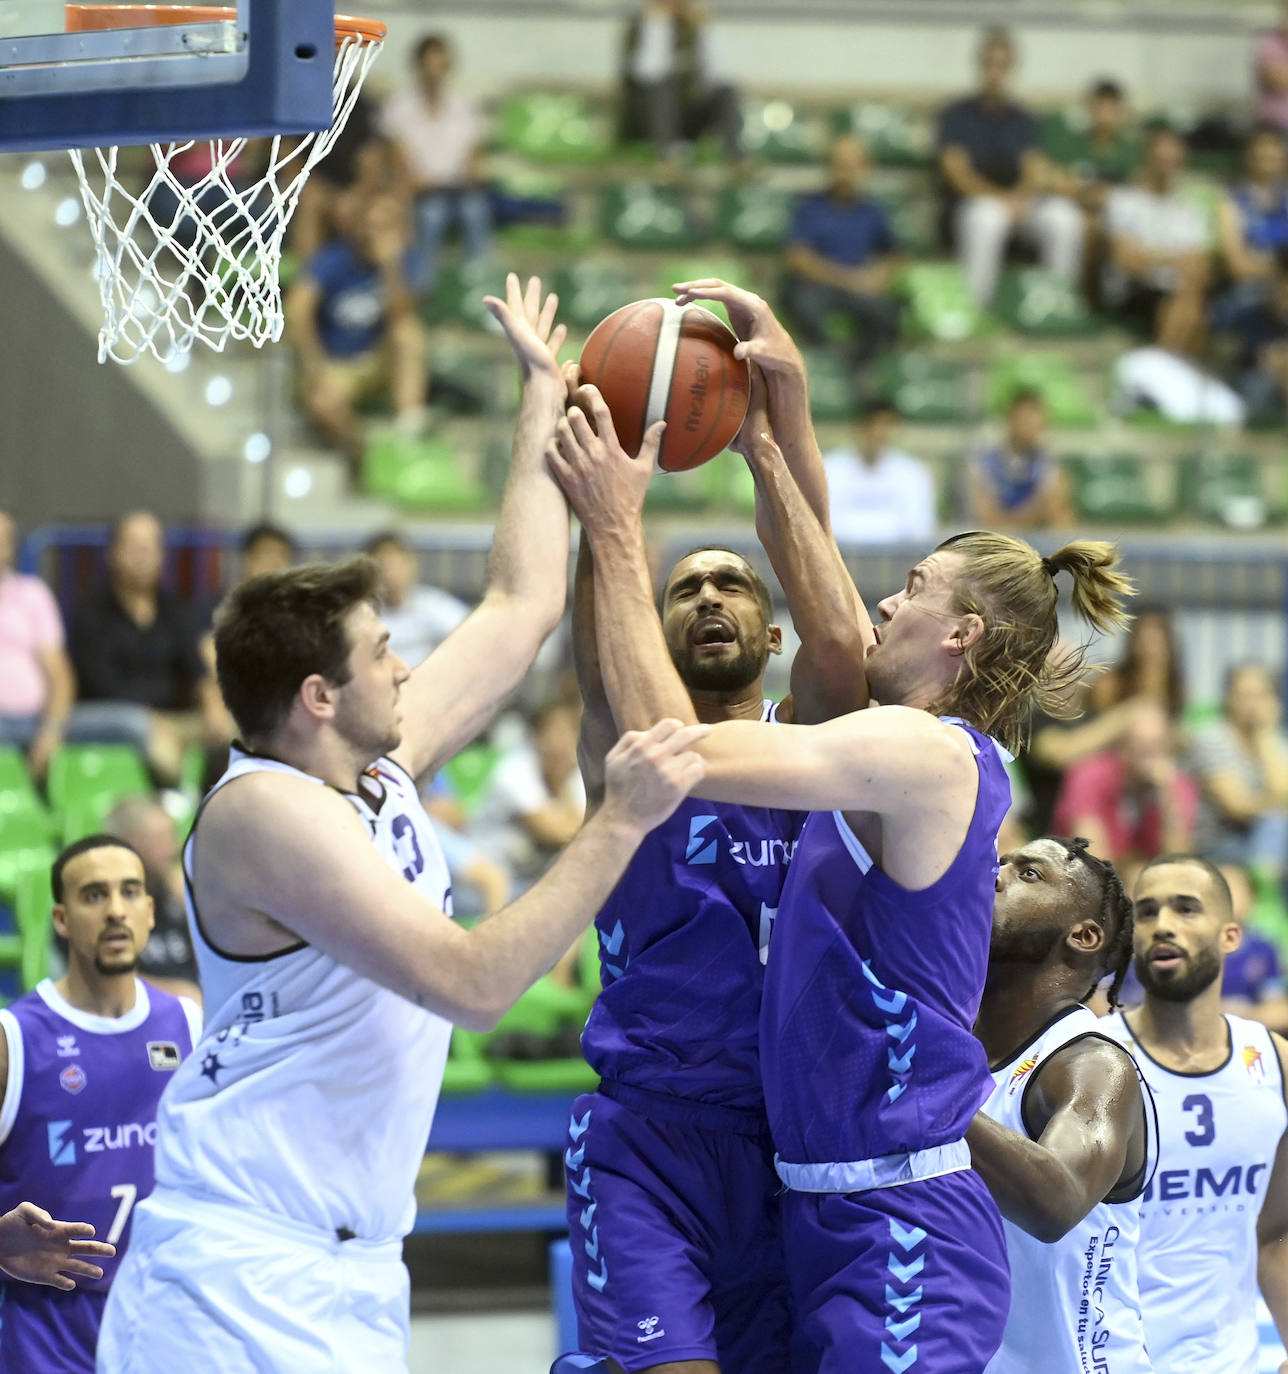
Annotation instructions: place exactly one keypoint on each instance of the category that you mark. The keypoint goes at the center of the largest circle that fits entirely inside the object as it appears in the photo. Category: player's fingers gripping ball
(655, 360)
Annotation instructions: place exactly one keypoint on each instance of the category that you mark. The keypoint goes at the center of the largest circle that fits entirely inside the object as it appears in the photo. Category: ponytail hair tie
(1050, 567)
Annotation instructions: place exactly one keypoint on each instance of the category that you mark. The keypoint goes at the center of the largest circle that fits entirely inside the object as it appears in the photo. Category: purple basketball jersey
(77, 1127)
(682, 942)
(872, 990)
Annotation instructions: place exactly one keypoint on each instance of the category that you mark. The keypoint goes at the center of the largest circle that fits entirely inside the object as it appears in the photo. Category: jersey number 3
(1204, 1132)
(409, 855)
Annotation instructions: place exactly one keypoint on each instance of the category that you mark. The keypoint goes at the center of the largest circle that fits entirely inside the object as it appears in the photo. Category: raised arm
(304, 860)
(1090, 1096)
(598, 729)
(457, 690)
(831, 622)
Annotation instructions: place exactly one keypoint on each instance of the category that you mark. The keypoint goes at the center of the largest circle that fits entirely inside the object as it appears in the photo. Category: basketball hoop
(208, 269)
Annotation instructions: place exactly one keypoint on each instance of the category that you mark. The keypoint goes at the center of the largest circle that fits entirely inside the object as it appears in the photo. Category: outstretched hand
(648, 773)
(37, 1249)
(764, 341)
(529, 324)
(604, 484)
(755, 440)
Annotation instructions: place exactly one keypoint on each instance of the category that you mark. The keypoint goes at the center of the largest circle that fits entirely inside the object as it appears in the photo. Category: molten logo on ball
(655, 360)
(698, 393)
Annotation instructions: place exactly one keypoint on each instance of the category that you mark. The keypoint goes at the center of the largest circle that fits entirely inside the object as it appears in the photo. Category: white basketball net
(208, 271)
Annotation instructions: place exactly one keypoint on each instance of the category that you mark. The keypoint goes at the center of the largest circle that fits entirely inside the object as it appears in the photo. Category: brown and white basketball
(656, 360)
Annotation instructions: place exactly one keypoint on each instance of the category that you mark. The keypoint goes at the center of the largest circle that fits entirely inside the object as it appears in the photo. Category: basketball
(656, 360)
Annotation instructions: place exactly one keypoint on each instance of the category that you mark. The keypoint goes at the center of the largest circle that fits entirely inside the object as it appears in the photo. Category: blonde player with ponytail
(871, 1072)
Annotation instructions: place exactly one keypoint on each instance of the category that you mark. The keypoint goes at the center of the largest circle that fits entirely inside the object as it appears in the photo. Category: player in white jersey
(287, 1151)
(1064, 1142)
(1214, 1220)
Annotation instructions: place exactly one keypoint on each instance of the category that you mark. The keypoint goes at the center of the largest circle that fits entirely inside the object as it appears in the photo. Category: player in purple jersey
(672, 1196)
(871, 1071)
(83, 1062)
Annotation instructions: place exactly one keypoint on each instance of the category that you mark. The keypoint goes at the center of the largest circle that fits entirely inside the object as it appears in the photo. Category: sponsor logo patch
(67, 1047)
(651, 1328)
(73, 1078)
(163, 1054)
(62, 1144)
(1252, 1062)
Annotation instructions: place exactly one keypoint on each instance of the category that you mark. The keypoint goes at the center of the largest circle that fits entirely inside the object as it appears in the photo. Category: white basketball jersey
(1075, 1305)
(312, 1090)
(1198, 1255)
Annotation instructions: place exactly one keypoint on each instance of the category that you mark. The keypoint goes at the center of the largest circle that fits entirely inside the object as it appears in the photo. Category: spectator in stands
(1132, 801)
(535, 799)
(1017, 484)
(840, 258)
(439, 134)
(168, 960)
(1252, 977)
(362, 162)
(418, 617)
(1241, 762)
(353, 322)
(1151, 669)
(1271, 58)
(1260, 331)
(36, 684)
(136, 652)
(266, 547)
(1252, 224)
(879, 494)
(1089, 160)
(994, 173)
(1157, 270)
(672, 92)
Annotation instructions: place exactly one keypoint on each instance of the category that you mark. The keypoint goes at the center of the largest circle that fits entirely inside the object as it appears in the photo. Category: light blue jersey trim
(885, 1171)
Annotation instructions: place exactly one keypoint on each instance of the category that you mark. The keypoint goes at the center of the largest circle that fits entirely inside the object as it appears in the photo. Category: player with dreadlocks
(1067, 1140)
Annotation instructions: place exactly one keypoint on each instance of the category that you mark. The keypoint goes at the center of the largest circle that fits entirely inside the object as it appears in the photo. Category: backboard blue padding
(287, 89)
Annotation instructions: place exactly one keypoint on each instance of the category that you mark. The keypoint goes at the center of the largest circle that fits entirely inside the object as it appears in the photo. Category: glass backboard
(91, 75)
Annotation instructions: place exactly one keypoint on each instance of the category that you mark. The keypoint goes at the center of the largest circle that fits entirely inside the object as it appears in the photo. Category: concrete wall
(77, 441)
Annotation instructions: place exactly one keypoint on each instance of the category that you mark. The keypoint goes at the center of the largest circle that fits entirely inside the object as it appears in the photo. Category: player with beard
(1214, 1222)
(1064, 1142)
(677, 1259)
(868, 1059)
(83, 1061)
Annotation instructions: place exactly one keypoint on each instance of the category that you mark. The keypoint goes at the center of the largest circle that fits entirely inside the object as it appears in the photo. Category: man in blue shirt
(840, 257)
(994, 174)
(352, 319)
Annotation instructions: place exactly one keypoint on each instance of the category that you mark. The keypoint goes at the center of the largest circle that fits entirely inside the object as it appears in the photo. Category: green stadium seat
(17, 860)
(457, 297)
(32, 902)
(467, 1070)
(1117, 487)
(1032, 301)
(553, 127)
(1068, 402)
(89, 779)
(940, 305)
(894, 137)
(545, 1011)
(24, 818)
(421, 474)
(926, 389)
(914, 221)
(640, 215)
(778, 131)
(833, 394)
(470, 772)
(591, 289)
(683, 491)
(754, 218)
(1229, 489)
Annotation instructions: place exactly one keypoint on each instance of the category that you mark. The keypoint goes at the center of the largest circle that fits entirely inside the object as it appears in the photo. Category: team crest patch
(163, 1054)
(1022, 1068)
(1252, 1062)
(73, 1078)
